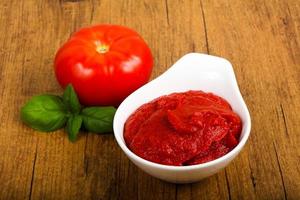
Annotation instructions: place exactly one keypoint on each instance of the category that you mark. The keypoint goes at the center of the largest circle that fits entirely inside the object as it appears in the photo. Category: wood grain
(255, 40)
(260, 38)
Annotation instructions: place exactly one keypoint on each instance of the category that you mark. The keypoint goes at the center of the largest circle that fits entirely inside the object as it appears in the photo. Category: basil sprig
(45, 113)
(98, 118)
(48, 113)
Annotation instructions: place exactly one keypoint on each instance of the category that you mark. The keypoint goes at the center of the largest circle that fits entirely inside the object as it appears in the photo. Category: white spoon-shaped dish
(193, 71)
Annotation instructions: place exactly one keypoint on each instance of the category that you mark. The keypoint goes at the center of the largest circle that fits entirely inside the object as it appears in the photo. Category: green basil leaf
(71, 100)
(98, 119)
(45, 113)
(73, 127)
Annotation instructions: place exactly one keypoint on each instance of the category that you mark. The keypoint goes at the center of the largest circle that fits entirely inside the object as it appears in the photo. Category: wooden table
(260, 38)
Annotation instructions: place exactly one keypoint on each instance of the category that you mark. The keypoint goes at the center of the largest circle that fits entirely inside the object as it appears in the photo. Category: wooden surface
(260, 38)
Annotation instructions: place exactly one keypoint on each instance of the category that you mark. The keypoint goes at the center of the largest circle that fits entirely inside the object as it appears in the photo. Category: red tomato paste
(183, 129)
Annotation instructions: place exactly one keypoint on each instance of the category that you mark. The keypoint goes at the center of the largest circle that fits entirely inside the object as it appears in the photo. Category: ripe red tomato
(104, 63)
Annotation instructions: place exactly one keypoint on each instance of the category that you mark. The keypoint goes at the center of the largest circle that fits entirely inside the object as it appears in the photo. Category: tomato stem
(102, 48)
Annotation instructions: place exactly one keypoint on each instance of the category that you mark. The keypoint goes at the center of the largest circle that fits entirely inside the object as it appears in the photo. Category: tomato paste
(183, 129)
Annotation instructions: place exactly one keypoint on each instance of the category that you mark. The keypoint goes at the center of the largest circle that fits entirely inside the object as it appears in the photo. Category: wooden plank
(60, 167)
(286, 145)
(17, 146)
(31, 167)
(261, 40)
(125, 181)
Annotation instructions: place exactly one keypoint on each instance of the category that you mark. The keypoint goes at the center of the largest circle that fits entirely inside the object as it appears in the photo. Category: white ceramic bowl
(193, 71)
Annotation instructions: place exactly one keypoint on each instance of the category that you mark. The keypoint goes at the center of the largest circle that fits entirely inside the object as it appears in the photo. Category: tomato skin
(104, 63)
